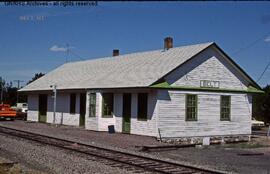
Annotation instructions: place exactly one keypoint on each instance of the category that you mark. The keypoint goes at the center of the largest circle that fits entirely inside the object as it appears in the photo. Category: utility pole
(1, 81)
(18, 87)
(268, 132)
(67, 52)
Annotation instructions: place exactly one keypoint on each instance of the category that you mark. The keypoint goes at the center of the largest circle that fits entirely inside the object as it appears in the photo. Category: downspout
(157, 115)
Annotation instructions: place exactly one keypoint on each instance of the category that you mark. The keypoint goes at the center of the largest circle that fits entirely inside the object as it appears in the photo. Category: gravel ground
(48, 159)
(217, 157)
(123, 141)
(226, 157)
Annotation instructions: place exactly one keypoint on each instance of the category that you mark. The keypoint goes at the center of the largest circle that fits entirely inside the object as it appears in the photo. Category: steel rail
(138, 161)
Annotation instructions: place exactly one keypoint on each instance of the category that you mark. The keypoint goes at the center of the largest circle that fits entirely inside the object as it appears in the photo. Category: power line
(263, 71)
(251, 44)
(68, 51)
(75, 54)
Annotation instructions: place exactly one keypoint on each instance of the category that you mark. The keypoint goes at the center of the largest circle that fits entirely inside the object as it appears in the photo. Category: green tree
(9, 93)
(261, 105)
(37, 76)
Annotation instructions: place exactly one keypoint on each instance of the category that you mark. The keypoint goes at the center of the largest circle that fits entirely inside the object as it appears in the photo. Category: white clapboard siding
(103, 123)
(98, 123)
(147, 127)
(171, 115)
(63, 115)
(32, 113)
(137, 127)
(208, 65)
(62, 109)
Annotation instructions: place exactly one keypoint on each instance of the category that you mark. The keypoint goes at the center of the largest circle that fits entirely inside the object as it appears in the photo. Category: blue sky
(33, 39)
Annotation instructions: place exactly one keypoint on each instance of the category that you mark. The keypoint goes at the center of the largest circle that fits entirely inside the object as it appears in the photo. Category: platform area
(117, 140)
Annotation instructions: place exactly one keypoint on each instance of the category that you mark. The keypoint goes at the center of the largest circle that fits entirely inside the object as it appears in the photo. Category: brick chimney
(115, 52)
(168, 43)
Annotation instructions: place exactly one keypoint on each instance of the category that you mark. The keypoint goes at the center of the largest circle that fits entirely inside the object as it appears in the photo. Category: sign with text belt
(209, 84)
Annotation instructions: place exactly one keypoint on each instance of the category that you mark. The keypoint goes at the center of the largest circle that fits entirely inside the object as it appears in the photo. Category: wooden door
(126, 112)
(82, 108)
(42, 108)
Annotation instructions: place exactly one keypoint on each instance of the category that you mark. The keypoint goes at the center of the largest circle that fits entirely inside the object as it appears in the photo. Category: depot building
(174, 92)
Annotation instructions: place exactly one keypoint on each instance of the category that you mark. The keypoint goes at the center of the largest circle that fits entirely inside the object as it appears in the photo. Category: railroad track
(126, 160)
(259, 133)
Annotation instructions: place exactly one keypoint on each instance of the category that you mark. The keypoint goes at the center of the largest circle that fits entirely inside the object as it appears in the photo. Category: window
(191, 107)
(92, 105)
(72, 106)
(107, 104)
(142, 106)
(225, 108)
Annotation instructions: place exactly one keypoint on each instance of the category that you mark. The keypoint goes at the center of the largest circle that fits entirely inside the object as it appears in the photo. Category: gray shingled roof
(131, 70)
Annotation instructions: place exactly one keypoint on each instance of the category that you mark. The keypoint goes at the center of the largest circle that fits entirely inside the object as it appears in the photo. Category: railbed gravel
(51, 159)
(120, 142)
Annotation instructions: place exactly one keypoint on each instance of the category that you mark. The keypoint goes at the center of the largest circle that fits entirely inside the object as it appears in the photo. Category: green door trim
(82, 120)
(42, 118)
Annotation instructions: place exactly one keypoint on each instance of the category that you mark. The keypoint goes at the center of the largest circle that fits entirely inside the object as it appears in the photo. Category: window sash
(225, 108)
(92, 105)
(107, 104)
(191, 107)
(142, 106)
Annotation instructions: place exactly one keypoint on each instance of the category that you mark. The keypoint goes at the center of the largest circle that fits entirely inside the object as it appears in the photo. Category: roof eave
(167, 86)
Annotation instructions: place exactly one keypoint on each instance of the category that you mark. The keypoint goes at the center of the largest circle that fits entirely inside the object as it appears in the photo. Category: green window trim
(142, 107)
(191, 107)
(225, 108)
(107, 105)
(92, 104)
(72, 103)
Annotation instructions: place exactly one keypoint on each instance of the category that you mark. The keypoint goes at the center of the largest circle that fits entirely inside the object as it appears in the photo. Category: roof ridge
(134, 53)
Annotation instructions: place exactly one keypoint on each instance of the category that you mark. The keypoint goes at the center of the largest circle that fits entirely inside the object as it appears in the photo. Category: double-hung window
(107, 105)
(191, 107)
(92, 104)
(225, 107)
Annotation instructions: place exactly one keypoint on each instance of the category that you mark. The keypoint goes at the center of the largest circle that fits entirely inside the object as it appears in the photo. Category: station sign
(209, 84)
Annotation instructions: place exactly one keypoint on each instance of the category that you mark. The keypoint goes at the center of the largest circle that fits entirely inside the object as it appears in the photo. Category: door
(126, 112)
(82, 108)
(42, 108)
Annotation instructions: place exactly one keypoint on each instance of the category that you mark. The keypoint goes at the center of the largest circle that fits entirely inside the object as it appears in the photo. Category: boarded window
(191, 107)
(225, 108)
(92, 105)
(142, 106)
(72, 106)
(107, 104)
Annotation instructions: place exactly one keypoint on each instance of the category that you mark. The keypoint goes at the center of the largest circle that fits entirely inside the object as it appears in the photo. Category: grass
(10, 168)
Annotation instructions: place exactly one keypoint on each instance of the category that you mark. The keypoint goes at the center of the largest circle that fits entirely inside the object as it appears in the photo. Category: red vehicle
(6, 112)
